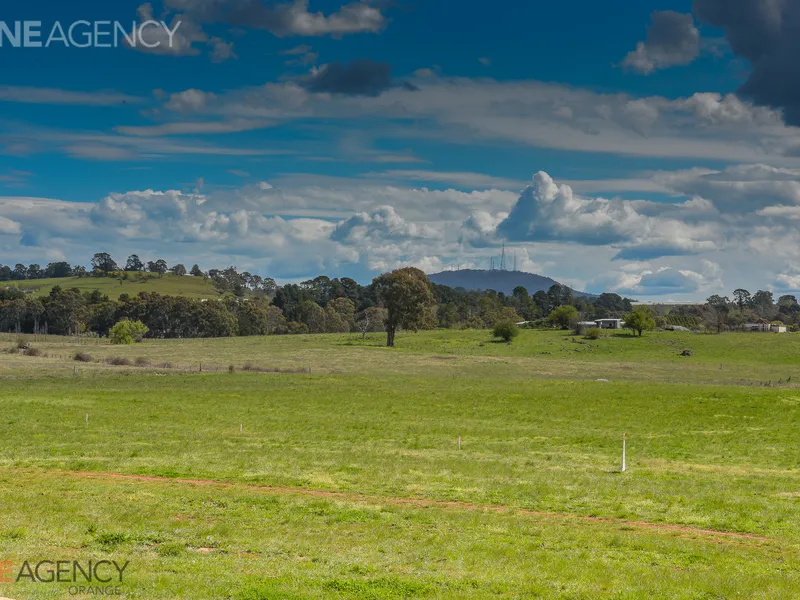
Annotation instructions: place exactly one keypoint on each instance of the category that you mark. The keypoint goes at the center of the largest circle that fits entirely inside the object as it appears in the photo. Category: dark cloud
(358, 78)
(672, 39)
(767, 34)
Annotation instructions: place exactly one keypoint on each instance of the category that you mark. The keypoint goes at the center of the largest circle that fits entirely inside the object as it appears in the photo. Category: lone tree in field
(127, 332)
(506, 330)
(640, 320)
(406, 294)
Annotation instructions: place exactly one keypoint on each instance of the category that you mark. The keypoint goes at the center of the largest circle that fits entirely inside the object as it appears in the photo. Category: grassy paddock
(168, 285)
(347, 482)
(740, 358)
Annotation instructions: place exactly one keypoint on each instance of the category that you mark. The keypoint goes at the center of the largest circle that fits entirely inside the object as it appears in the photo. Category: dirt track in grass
(421, 502)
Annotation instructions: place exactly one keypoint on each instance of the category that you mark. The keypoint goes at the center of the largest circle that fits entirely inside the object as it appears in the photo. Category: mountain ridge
(497, 280)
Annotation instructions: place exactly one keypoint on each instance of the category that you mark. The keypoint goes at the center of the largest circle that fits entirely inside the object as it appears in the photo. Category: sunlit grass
(541, 440)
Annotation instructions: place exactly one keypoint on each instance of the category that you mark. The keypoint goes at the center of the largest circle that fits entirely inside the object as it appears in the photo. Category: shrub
(118, 361)
(127, 332)
(142, 362)
(506, 330)
(83, 357)
(594, 333)
(31, 351)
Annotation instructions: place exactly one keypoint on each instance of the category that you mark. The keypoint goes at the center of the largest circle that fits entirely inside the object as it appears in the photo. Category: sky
(650, 149)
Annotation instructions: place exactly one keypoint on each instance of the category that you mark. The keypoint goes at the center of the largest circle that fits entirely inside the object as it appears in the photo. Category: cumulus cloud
(191, 218)
(672, 39)
(383, 224)
(716, 109)
(480, 229)
(547, 212)
(765, 34)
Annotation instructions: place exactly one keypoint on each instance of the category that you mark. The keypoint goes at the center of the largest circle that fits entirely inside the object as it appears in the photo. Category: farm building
(610, 323)
(766, 327)
(601, 324)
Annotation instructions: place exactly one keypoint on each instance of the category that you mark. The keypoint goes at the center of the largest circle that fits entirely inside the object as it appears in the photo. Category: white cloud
(480, 229)
(547, 212)
(716, 109)
(461, 179)
(103, 146)
(383, 224)
(191, 100)
(461, 110)
(37, 95)
(9, 227)
(788, 281)
(664, 281)
(288, 18)
(300, 225)
(195, 128)
(737, 189)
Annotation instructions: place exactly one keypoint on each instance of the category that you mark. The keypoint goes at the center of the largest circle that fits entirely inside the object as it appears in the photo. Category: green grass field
(338, 474)
(168, 285)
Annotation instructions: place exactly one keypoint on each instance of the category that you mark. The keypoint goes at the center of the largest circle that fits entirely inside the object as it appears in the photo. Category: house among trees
(765, 326)
(610, 323)
(601, 324)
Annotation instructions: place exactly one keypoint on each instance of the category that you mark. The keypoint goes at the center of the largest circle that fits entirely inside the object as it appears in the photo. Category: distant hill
(499, 281)
(169, 285)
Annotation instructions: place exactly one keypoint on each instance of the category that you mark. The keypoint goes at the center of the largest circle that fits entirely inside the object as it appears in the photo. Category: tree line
(403, 299)
(722, 313)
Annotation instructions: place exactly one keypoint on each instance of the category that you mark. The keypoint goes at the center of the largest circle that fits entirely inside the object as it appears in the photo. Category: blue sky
(297, 138)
